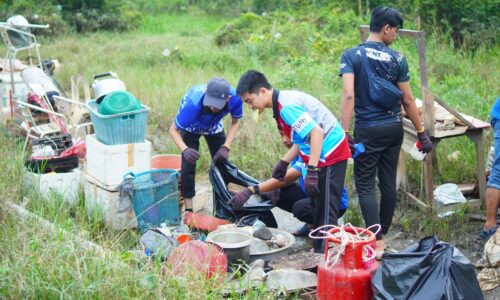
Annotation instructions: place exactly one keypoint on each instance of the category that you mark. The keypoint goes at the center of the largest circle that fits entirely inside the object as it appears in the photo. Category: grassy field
(36, 263)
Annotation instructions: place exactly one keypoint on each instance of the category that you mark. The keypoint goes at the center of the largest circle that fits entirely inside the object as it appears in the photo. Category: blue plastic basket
(155, 198)
(123, 128)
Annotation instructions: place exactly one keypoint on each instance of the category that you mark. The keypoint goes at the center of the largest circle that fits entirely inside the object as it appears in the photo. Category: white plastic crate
(108, 163)
(105, 201)
(201, 197)
(66, 184)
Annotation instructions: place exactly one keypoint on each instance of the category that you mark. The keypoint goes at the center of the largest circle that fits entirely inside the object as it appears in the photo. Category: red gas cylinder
(350, 277)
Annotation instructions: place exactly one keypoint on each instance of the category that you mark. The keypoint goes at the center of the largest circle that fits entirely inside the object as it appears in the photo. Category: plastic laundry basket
(123, 128)
(155, 199)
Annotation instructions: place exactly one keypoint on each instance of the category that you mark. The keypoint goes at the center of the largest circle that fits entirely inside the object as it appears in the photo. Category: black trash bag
(428, 270)
(223, 174)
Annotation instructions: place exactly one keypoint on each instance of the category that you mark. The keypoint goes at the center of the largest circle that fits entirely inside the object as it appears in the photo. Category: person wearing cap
(379, 123)
(200, 114)
(317, 137)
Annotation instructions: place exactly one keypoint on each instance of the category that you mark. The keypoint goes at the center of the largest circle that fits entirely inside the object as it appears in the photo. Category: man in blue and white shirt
(201, 112)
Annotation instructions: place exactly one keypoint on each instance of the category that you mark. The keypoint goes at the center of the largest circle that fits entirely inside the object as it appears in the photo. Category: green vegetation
(299, 49)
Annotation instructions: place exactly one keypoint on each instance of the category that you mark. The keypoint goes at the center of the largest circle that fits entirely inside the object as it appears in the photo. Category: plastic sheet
(223, 174)
(430, 269)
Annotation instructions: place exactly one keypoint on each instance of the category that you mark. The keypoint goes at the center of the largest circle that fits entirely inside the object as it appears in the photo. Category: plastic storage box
(66, 184)
(156, 198)
(104, 201)
(122, 128)
(108, 163)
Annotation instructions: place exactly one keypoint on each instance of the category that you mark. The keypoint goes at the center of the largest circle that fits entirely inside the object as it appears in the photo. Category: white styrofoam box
(201, 197)
(67, 184)
(105, 200)
(108, 163)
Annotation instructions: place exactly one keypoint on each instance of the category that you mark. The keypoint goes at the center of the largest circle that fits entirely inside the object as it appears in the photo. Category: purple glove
(279, 170)
(351, 143)
(191, 155)
(425, 142)
(221, 155)
(238, 200)
(274, 196)
(311, 182)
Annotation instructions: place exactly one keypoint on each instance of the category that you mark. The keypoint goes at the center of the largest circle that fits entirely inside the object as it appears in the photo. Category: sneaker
(302, 231)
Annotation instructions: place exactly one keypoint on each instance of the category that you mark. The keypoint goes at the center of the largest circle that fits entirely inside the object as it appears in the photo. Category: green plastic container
(118, 102)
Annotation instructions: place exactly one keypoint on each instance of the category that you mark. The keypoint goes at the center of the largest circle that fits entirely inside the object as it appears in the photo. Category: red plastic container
(350, 277)
(203, 222)
(166, 161)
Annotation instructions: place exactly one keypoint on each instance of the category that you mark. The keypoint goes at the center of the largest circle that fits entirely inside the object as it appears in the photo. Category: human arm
(176, 137)
(347, 100)
(316, 142)
(231, 133)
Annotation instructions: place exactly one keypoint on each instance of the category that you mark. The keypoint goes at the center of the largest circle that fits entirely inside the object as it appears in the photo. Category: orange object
(166, 161)
(196, 255)
(203, 222)
(182, 238)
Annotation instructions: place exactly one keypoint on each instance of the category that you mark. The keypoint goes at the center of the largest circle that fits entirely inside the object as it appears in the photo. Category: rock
(263, 233)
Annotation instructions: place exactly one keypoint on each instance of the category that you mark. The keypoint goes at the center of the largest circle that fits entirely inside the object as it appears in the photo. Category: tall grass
(36, 263)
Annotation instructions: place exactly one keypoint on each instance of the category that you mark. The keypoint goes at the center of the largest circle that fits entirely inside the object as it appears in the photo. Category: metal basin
(234, 242)
(274, 253)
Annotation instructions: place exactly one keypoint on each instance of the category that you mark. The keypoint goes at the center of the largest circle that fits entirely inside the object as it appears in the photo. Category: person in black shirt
(378, 120)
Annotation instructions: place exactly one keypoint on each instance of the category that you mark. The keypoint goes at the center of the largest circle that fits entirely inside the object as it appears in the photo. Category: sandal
(487, 233)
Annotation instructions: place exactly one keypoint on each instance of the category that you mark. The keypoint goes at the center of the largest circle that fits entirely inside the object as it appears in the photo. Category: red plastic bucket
(166, 161)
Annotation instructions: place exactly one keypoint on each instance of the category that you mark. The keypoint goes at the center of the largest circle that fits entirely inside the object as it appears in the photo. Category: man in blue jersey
(317, 137)
(289, 194)
(364, 69)
(200, 113)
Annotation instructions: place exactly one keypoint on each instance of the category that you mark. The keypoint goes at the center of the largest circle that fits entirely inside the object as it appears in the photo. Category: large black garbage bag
(223, 174)
(428, 270)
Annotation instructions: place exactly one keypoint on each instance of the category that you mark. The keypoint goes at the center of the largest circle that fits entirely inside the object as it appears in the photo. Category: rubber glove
(191, 155)
(238, 200)
(279, 170)
(425, 142)
(311, 182)
(222, 155)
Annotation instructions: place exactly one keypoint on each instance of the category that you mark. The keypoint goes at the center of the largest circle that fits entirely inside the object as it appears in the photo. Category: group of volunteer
(375, 84)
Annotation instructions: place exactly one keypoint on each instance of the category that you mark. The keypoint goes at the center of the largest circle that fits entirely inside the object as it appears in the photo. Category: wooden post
(477, 137)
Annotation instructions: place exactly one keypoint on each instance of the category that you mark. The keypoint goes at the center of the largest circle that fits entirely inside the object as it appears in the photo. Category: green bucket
(118, 102)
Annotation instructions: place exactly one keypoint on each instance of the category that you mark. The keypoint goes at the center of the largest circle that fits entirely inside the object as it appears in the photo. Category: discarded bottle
(359, 148)
(415, 151)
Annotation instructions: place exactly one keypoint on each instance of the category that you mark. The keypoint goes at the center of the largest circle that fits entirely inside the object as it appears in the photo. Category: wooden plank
(428, 112)
(475, 217)
(419, 203)
(450, 109)
(477, 137)
(466, 188)
(401, 32)
(473, 204)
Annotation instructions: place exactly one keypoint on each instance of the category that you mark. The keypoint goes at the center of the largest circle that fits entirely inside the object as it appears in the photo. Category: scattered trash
(290, 280)
(198, 256)
(158, 244)
(299, 261)
(489, 276)
(234, 242)
(448, 193)
(253, 278)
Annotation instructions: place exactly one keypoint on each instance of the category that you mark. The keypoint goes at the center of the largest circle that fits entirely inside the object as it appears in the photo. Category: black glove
(279, 170)
(351, 143)
(222, 155)
(190, 155)
(311, 182)
(238, 200)
(425, 142)
(274, 196)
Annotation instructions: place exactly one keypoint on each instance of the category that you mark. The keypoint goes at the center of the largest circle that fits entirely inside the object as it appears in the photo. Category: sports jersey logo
(377, 55)
(301, 122)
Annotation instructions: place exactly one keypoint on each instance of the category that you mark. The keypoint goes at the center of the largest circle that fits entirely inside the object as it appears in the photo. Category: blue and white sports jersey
(195, 118)
(299, 113)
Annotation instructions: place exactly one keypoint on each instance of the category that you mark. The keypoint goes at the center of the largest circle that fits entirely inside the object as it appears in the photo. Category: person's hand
(238, 200)
(425, 142)
(222, 155)
(274, 196)
(279, 170)
(350, 140)
(311, 182)
(190, 155)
